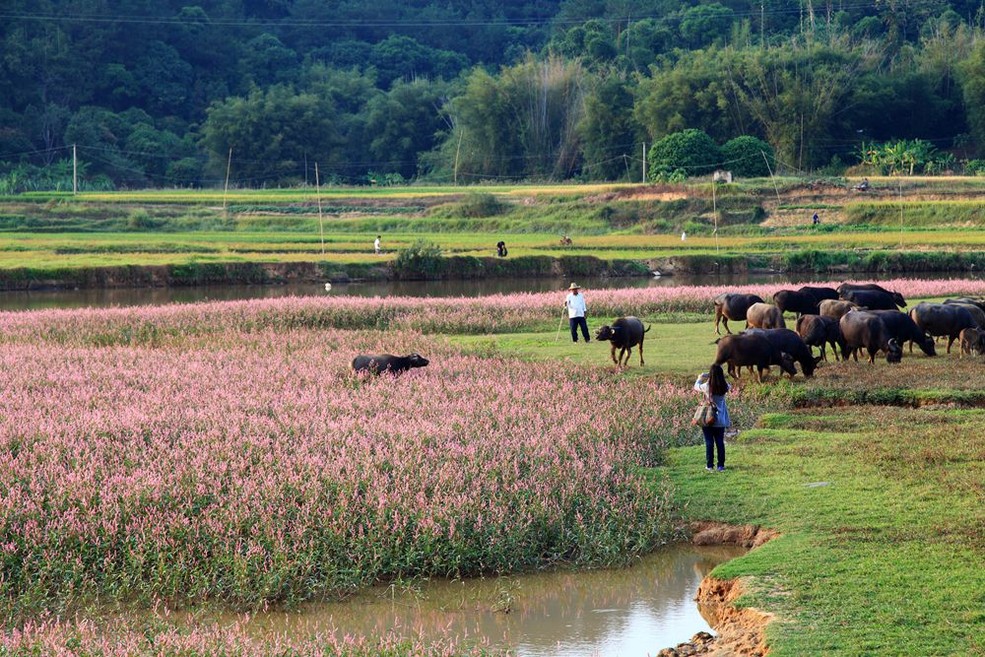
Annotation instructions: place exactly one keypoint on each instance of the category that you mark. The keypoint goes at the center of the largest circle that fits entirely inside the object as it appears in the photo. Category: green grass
(873, 475)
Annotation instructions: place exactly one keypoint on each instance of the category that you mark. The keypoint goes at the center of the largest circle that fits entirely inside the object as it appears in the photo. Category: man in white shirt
(376, 245)
(575, 303)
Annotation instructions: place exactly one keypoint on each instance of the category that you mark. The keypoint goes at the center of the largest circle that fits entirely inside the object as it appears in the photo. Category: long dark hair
(717, 385)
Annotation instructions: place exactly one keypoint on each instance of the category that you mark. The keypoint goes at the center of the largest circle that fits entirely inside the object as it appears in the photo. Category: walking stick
(560, 322)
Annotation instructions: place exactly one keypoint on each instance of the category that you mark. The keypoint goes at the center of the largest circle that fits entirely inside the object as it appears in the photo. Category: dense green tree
(607, 131)
(703, 25)
(748, 157)
(271, 134)
(693, 92)
(404, 123)
(691, 151)
(972, 71)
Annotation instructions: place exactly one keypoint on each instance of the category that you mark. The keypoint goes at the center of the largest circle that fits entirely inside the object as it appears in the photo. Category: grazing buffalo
(820, 293)
(836, 308)
(866, 287)
(764, 316)
(796, 301)
(980, 303)
(789, 342)
(942, 319)
(381, 363)
(624, 334)
(972, 342)
(820, 331)
(901, 327)
(733, 306)
(746, 349)
(977, 313)
(875, 299)
(861, 329)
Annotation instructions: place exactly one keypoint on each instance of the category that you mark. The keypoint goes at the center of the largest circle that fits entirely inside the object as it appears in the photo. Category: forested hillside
(183, 93)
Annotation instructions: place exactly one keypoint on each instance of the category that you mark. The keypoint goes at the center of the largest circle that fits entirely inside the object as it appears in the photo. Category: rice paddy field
(222, 455)
(48, 233)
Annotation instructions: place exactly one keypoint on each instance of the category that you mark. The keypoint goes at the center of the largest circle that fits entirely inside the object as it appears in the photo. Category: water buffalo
(836, 308)
(980, 303)
(820, 331)
(789, 342)
(381, 363)
(764, 316)
(867, 287)
(901, 327)
(746, 349)
(861, 329)
(796, 301)
(972, 342)
(733, 306)
(941, 319)
(624, 334)
(875, 299)
(977, 313)
(820, 293)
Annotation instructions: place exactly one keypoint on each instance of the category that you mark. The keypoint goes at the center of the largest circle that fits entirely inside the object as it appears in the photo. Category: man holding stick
(575, 303)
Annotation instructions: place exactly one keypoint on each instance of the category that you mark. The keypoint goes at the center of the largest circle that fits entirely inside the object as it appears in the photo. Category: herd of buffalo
(850, 318)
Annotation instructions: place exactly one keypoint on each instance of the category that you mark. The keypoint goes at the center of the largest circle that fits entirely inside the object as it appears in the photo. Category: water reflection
(102, 298)
(630, 611)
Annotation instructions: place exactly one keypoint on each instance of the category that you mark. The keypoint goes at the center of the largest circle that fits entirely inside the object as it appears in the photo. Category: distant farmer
(683, 235)
(376, 245)
(501, 249)
(575, 303)
(816, 219)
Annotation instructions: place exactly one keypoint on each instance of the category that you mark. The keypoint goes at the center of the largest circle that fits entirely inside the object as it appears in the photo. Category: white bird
(328, 287)
(656, 273)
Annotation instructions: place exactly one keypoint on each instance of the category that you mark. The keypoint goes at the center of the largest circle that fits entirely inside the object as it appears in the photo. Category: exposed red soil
(741, 632)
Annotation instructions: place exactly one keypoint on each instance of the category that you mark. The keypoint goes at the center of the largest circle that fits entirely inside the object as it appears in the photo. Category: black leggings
(714, 438)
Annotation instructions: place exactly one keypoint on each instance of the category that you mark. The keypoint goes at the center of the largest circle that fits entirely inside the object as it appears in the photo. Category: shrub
(482, 205)
(744, 156)
(692, 151)
(422, 260)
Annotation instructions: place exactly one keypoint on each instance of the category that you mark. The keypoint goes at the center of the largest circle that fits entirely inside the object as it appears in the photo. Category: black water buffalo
(733, 306)
(845, 287)
(380, 363)
(746, 349)
(820, 293)
(796, 301)
(624, 334)
(980, 303)
(977, 313)
(836, 307)
(941, 319)
(789, 342)
(972, 342)
(901, 327)
(865, 330)
(764, 316)
(820, 331)
(875, 299)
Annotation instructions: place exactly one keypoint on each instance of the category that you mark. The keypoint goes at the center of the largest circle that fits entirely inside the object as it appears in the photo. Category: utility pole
(225, 191)
(75, 171)
(458, 150)
(644, 162)
(321, 225)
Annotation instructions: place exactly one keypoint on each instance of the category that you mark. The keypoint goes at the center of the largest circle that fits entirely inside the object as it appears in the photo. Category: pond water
(633, 611)
(102, 298)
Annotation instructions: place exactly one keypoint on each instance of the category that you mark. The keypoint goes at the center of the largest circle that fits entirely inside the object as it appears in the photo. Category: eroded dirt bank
(741, 632)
